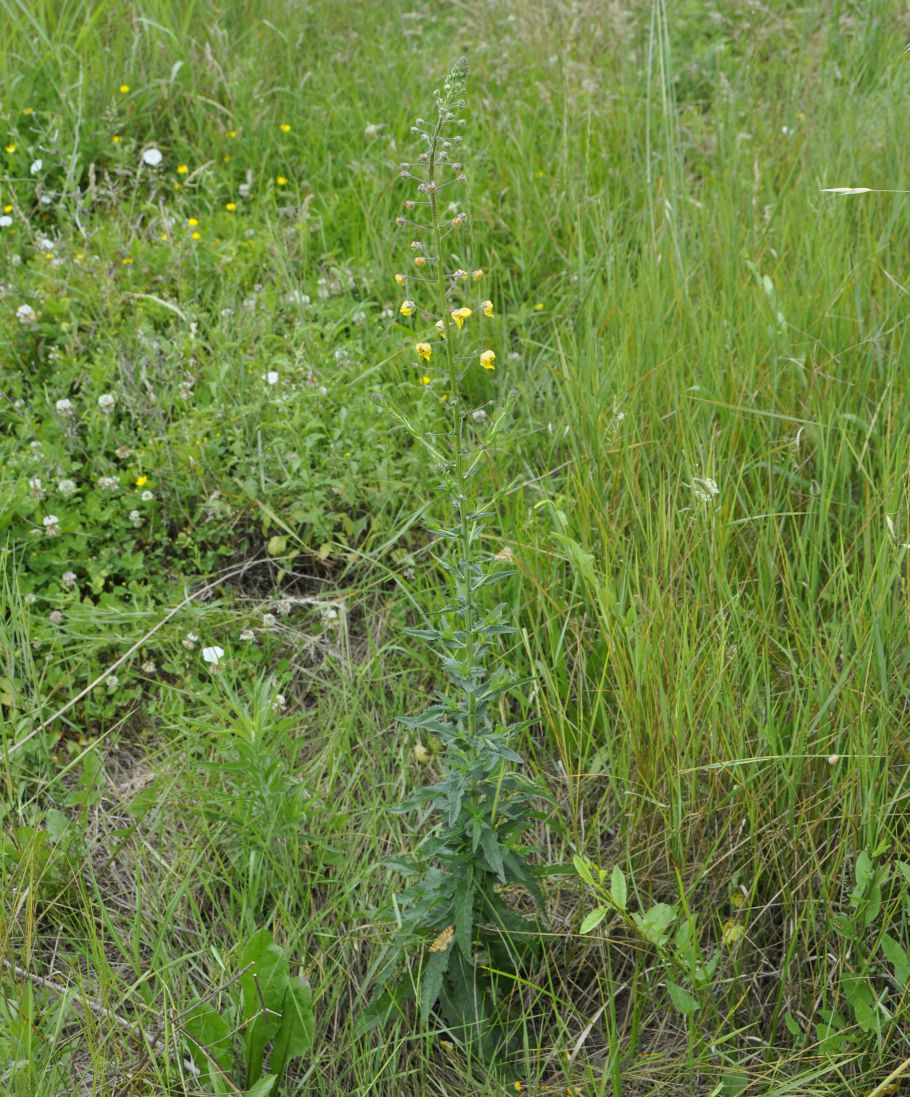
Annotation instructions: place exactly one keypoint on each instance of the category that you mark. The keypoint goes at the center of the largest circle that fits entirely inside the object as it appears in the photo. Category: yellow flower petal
(487, 308)
(407, 308)
(487, 358)
(460, 315)
(424, 351)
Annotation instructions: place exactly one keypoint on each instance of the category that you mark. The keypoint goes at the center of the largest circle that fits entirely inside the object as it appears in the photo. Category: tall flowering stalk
(454, 909)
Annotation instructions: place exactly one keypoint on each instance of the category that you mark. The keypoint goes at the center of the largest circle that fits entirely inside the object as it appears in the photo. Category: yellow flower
(487, 308)
(441, 327)
(281, 181)
(8, 208)
(230, 206)
(424, 351)
(460, 315)
(227, 158)
(126, 262)
(487, 358)
(477, 274)
(163, 236)
(197, 235)
(518, 1087)
(459, 275)
(28, 110)
(457, 222)
(285, 127)
(124, 88)
(141, 481)
(407, 308)
(424, 380)
(420, 261)
(79, 256)
(232, 134)
(192, 221)
(116, 138)
(10, 149)
(400, 279)
(539, 306)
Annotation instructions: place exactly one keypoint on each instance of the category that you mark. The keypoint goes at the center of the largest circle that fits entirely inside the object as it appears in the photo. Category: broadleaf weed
(454, 911)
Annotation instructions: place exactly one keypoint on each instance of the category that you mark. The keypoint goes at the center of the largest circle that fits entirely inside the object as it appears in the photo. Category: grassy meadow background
(709, 448)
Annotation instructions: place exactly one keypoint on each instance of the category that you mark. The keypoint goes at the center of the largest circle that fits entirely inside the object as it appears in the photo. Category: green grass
(716, 690)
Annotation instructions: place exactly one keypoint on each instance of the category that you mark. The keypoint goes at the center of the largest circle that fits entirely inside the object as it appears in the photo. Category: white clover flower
(68, 578)
(147, 496)
(479, 415)
(5, 221)
(35, 487)
(136, 518)
(44, 243)
(213, 655)
(152, 157)
(25, 314)
(112, 682)
(280, 703)
(268, 620)
(106, 402)
(108, 483)
(64, 407)
(55, 617)
(148, 667)
(247, 634)
(270, 378)
(66, 487)
(372, 130)
(51, 525)
(284, 607)
(36, 166)
(190, 640)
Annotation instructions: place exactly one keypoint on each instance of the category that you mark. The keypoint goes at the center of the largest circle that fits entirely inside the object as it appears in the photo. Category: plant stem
(460, 494)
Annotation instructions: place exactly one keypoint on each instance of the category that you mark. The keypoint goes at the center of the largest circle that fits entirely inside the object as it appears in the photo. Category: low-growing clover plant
(455, 923)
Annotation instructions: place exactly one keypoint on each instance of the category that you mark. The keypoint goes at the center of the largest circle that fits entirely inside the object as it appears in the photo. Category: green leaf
(263, 1087)
(897, 957)
(593, 920)
(208, 1028)
(682, 1000)
(583, 871)
(295, 1030)
(618, 892)
(464, 912)
(862, 1001)
(653, 925)
(492, 852)
(264, 984)
(277, 546)
(431, 979)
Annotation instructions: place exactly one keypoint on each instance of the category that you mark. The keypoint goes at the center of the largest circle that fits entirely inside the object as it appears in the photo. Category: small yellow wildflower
(477, 274)
(124, 88)
(163, 236)
(182, 169)
(285, 127)
(192, 221)
(424, 351)
(10, 149)
(460, 315)
(178, 186)
(127, 262)
(407, 308)
(518, 1087)
(400, 279)
(230, 206)
(28, 110)
(141, 481)
(227, 158)
(281, 181)
(116, 138)
(487, 308)
(459, 275)
(424, 380)
(539, 306)
(487, 358)
(232, 134)
(197, 235)
(420, 261)
(79, 256)
(457, 222)
(8, 208)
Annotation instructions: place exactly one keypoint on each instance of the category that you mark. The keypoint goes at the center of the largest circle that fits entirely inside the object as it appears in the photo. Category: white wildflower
(152, 157)
(68, 578)
(190, 640)
(66, 487)
(25, 314)
(55, 617)
(705, 489)
(108, 483)
(106, 402)
(147, 496)
(247, 634)
(5, 221)
(213, 655)
(36, 166)
(64, 407)
(51, 525)
(270, 378)
(136, 518)
(280, 703)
